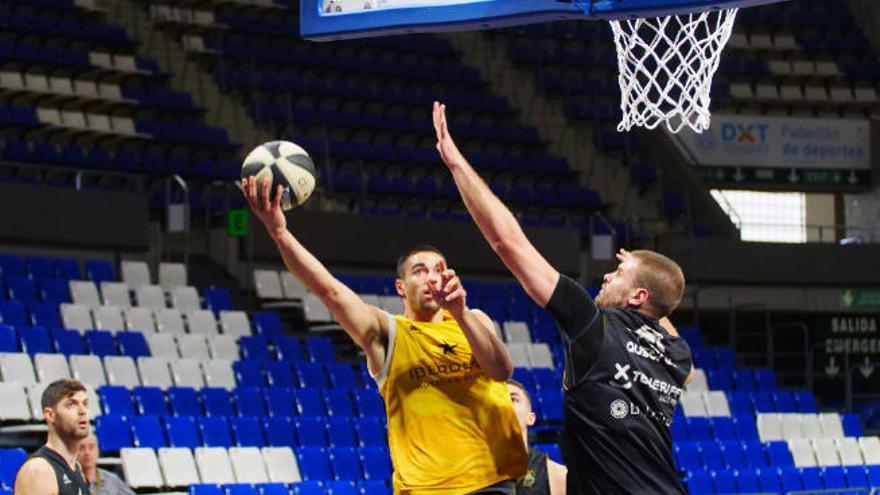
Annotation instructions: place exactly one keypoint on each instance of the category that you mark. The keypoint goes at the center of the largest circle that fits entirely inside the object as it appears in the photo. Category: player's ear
(530, 419)
(401, 290)
(639, 297)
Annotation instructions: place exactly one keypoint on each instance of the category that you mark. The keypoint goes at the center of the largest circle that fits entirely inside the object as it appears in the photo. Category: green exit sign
(238, 221)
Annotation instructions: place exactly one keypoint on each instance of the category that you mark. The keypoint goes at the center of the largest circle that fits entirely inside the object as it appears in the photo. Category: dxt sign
(744, 133)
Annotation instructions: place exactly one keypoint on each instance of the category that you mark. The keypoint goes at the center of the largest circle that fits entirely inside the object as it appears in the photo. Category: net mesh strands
(666, 68)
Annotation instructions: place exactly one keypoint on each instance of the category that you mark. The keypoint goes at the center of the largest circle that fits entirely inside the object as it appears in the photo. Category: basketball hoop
(666, 67)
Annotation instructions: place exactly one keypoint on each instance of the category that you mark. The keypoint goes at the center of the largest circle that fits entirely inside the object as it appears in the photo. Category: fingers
(266, 184)
(276, 203)
(247, 189)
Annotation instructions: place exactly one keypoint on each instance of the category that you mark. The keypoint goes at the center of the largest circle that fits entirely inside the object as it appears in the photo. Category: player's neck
(64, 448)
(414, 315)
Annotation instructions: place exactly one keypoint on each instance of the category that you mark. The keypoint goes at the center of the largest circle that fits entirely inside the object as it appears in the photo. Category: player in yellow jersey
(440, 367)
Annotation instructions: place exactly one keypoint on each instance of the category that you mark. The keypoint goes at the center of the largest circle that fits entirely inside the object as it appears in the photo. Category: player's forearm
(488, 350)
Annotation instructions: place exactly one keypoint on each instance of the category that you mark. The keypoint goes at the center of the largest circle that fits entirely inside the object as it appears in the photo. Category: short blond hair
(662, 277)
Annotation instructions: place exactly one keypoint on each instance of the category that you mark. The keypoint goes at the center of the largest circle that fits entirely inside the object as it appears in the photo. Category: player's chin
(430, 305)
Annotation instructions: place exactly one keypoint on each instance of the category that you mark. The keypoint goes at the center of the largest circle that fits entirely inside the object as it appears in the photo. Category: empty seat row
(712, 403)
(38, 340)
(40, 267)
(184, 298)
(848, 451)
(786, 480)
(786, 426)
(531, 355)
(742, 380)
(22, 403)
(150, 320)
(802, 401)
(720, 428)
(698, 456)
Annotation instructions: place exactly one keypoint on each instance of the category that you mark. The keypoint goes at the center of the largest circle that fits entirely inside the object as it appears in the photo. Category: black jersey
(70, 482)
(624, 375)
(536, 480)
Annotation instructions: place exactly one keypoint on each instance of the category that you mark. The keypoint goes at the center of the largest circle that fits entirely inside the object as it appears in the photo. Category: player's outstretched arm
(365, 324)
(495, 221)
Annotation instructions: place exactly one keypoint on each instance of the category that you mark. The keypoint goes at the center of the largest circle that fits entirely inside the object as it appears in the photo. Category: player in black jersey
(53, 469)
(624, 370)
(543, 477)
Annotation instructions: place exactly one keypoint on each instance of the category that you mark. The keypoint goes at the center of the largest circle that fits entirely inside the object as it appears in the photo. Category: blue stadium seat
(806, 401)
(8, 339)
(38, 267)
(247, 431)
(812, 478)
(746, 429)
(765, 379)
(280, 432)
(149, 401)
(338, 402)
(740, 404)
(345, 463)
(184, 401)
(747, 482)
(147, 432)
(113, 432)
(369, 402)
(273, 489)
(525, 376)
(313, 463)
(699, 429)
(713, 460)
(705, 359)
(340, 432)
(779, 454)
(833, 478)
(762, 402)
(874, 475)
(254, 348)
(35, 340)
(369, 431)
(239, 489)
(21, 289)
(67, 269)
(687, 456)
(769, 481)
(100, 343)
(700, 483)
(267, 324)
(375, 463)
(320, 350)
(341, 487)
(756, 454)
(856, 477)
(45, 315)
(217, 299)
(100, 271)
(248, 373)
(719, 379)
(13, 313)
(551, 405)
(310, 431)
(341, 375)
(309, 402)
(852, 425)
(132, 344)
(734, 455)
(679, 429)
(182, 431)
(722, 428)
(116, 400)
(309, 487)
(11, 266)
(67, 342)
(249, 401)
(790, 478)
(215, 431)
(724, 482)
(55, 290)
(205, 489)
(785, 401)
(216, 402)
(280, 401)
(288, 349)
(372, 487)
(10, 461)
(725, 358)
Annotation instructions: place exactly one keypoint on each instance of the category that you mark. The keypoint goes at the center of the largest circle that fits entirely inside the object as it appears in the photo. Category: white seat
(11, 79)
(169, 320)
(870, 447)
(281, 465)
(14, 402)
(698, 383)
(50, 116)
(89, 370)
(247, 464)
(101, 59)
(213, 465)
(122, 125)
(150, 296)
(831, 425)
(791, 92)
(85, 88)
(517, 331)
(98, 122)
(124, 62)
(135, 273)
(36, 82)
(692, 404)
(223, 347)
(61, 85)
(121, 371)
(291, 287)
(769, 427)
(825, 450)
(814, 92)
(314, 310)
(154, 372)
(193, 346)
(791, 426)
(540, 355)
(391, 304)
(716, 403)
(841, 94)
(172, 275)
(109, 91)
(185, 298)
(865, 94)
(35, 399)
(218, 373)
(761, 41)
(76, 317)
(187, 373)
(140, 320)
(235, 323)
(738, 40)
(803, 67)
(741, 90)
(268, 284)
(94, 402)
(519, 355)
(51, 367)
(162, 345)
(115, 294)
(202, 322)
(848, 451)
(84, 292)
(73, 118)
(767, 91)
(141, 468)
(810, 426)
(178, 467)
(785, 42)
(802, 452)
(109, 318)
(827, 68)
(780, 67)
(16, 367)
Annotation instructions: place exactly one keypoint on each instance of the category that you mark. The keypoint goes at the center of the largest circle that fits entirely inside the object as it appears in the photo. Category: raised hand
(445, 145)
(267, 210)
(449, 294)
(623, 255)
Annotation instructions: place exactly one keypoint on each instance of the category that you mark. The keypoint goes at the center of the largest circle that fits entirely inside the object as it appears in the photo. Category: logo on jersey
(619, 409)
(528, 480)
(651, 337)
(65, 479)
(649, 353)
(414, 329)
(621, 377)
(622, 380)
(447, 348)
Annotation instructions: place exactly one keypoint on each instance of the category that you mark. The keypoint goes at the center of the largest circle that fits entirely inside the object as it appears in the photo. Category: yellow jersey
(451, 429)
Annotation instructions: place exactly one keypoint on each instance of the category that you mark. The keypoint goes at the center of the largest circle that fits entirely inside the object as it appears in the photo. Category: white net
(666, 68)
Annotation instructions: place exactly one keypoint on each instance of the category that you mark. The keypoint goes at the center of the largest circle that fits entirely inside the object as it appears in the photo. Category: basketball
(285, 164)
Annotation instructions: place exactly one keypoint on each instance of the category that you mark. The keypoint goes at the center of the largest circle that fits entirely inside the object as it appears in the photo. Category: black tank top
(536, 480)
(70, 482)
